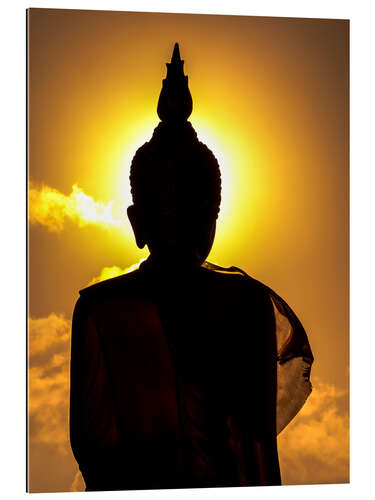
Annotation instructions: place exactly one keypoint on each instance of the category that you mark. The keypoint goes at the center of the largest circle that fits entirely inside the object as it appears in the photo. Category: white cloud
(50, 208)
(113, 271)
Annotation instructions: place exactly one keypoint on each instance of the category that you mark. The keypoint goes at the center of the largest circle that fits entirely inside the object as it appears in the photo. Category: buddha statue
(182, 372)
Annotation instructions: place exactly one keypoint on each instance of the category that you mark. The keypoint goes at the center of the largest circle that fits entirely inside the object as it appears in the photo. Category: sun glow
(241, 176)
(212, 140)
(143, 132)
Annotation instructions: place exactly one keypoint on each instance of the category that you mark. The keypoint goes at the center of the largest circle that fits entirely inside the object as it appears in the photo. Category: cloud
(113, 271)
(50, 208)
(48, 379)
(314, 447)
(51, 465)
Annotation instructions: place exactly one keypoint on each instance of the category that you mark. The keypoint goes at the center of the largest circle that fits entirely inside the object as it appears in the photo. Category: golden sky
(271, 100)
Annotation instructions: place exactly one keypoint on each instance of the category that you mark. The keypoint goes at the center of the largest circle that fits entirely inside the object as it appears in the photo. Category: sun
(143, 132)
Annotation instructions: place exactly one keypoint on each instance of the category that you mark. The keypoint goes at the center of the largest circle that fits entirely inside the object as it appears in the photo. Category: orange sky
(271, 100)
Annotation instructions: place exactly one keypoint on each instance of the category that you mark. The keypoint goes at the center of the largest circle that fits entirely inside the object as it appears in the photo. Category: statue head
(175, 179)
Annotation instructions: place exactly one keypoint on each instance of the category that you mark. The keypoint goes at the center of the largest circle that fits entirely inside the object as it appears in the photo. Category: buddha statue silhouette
(182, 372)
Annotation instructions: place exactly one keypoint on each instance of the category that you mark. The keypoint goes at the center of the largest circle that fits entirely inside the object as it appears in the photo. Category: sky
(271, 100)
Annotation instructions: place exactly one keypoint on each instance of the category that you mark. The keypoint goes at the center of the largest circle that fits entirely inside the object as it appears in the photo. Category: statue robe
(175, 383)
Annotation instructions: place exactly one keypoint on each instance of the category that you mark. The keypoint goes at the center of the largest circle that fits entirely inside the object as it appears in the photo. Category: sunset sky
(271, 100)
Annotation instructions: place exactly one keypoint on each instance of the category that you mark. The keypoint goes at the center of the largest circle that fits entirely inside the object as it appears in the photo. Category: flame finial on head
(175, 102)
(176, 58)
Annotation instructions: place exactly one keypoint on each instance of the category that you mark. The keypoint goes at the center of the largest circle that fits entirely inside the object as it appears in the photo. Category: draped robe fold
(183, 380)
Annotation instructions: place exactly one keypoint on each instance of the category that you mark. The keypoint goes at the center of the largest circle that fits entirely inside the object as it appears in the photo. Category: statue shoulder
(236, 279)
(234, 289)
(111, 288)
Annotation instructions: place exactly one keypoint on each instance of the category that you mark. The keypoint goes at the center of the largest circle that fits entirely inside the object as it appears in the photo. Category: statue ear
(137, 225)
